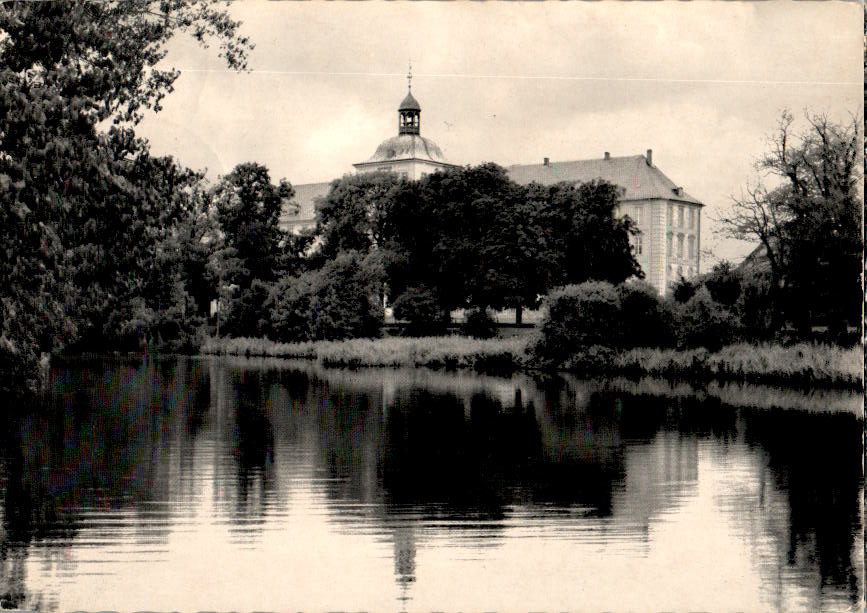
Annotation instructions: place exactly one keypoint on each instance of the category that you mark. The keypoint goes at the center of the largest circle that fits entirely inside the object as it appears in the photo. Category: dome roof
(408, 146)
(409, 103)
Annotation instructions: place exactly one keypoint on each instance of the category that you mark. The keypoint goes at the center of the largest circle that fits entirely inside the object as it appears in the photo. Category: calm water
(255, 485)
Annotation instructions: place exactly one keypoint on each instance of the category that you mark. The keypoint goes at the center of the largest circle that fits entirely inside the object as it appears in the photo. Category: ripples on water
(240, 484)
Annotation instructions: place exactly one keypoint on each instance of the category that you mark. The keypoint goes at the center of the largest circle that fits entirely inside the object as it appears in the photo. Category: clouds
(699, 83)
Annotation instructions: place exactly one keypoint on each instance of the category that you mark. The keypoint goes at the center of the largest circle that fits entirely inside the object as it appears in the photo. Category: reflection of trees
(99, 441)
(411, 457)
(815, 461)
(244, 479)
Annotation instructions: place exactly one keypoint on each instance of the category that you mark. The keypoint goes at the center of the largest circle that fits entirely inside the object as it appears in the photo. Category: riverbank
(801, 364)
(448, 352)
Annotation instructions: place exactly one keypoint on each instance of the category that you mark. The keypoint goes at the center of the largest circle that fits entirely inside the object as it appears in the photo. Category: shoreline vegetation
(802, 364)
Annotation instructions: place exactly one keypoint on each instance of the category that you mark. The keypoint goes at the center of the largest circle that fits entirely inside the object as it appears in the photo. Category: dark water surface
(232, 484)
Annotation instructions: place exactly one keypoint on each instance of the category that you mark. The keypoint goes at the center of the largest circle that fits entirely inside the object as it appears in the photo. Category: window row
(681, 213)
(674, 245)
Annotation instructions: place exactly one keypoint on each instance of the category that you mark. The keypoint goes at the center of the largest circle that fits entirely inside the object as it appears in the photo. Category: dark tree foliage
(246, 314)
(583, 238)
(105, 54)
(253, 249)
(124, 254)
(683, 290)
(645, 320)
(579, 317)
(703, 322)
(80, 217)
(248, 211)
(724, 283)
(479, 323)
(587, 323)
(805, 212)
(356, 213)
(475, 239)
(446, 235)
(335, 302)
(419, 307)
(344, 305)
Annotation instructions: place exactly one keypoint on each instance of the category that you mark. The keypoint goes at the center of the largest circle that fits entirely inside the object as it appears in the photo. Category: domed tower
(408, 154)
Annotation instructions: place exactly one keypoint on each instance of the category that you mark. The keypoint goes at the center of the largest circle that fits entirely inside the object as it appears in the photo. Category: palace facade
(669, 219)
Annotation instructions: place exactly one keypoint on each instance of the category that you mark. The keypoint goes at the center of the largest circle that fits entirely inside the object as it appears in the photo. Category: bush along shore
(797, 365)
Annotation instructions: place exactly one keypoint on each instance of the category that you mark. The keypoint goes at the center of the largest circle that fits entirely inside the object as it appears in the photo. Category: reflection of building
(668, 217)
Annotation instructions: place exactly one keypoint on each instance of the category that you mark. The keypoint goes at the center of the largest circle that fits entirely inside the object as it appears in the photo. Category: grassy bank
(432, 352)
(803, 364)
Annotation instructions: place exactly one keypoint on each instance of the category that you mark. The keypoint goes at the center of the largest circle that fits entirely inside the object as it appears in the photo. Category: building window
(670, 215)
(690, 246)
(691, 271)
(691, 218)
(636, 243)
(668, 249)
(638, 215)
(679, 216)
(680, 246)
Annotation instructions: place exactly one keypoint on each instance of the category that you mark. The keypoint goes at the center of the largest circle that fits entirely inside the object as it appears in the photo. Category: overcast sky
(702, 84)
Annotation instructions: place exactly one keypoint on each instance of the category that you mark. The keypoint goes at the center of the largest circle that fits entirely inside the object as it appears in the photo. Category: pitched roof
(302, 209)
(642, 181)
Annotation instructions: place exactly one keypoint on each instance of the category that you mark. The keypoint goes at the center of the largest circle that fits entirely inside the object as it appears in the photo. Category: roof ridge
(602, 159)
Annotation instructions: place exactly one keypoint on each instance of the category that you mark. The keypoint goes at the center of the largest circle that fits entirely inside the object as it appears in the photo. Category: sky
(702, 84)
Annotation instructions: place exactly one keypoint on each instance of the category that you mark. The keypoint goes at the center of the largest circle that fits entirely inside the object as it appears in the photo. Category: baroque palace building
(669, 219)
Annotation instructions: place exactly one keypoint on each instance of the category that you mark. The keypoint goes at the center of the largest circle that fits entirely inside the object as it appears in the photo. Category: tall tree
(805, 213)
(64, 68)
(356, 213)
(248, 211)
(583, 239)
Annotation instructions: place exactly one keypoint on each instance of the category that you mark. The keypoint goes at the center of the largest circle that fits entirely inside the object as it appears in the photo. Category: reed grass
(802, 364)
(433, 352)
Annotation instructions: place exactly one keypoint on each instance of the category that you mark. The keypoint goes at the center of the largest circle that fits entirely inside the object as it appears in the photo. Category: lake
(233, 484)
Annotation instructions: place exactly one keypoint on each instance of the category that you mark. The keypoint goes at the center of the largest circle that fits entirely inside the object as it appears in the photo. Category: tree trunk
(519, 315)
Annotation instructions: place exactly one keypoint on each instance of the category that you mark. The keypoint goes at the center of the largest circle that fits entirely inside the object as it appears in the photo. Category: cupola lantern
(409, 112)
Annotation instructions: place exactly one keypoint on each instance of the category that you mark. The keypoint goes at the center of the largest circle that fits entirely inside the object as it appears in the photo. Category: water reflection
(314, 489)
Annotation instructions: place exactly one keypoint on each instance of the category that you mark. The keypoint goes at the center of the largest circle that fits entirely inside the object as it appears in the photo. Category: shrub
(579, 316)
(342, 305)
(646, 321)
(290, 308)
(755, 307)
(420, 308)
(479, 324)
(332, 303)
(724, 284)
(705, 323)
(245, 313)
(591, 360)
(682, 290)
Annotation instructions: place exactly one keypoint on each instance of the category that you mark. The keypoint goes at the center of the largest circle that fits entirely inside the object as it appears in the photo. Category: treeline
(467, 238)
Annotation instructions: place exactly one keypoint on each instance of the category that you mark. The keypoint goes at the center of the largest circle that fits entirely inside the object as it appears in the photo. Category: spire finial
(409, 77)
